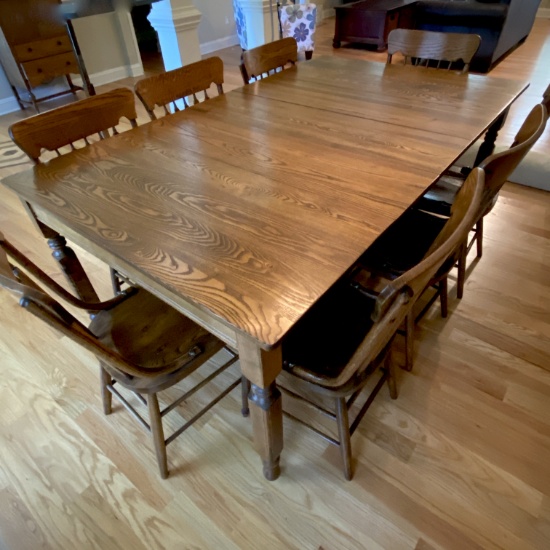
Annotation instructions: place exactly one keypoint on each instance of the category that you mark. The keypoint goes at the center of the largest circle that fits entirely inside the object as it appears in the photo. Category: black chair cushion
(440, 197)
(325, 338)
(404, 244)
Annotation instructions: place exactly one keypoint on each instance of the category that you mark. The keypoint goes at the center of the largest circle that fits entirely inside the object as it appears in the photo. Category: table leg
(488, 146)
(261, 368)
(66, 258)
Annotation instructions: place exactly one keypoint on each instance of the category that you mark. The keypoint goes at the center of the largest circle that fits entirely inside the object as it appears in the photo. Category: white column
(176, 23)
(261, 21)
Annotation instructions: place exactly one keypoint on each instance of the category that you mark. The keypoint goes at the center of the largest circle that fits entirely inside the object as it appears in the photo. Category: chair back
(267, 59)
(397, 298)
(499, 166)
(77, 121)
(165, 89)
(298, 21)
(420, 47)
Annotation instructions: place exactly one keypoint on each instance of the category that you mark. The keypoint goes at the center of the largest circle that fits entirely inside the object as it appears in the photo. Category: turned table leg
(261, 368)
(488, 146)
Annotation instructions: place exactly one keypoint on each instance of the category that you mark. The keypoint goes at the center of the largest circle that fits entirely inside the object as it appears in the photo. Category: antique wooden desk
(370, 21)
(243, 210)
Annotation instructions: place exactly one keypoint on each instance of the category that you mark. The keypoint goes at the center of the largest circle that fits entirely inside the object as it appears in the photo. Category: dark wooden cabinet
(370, 21)
(35, 48)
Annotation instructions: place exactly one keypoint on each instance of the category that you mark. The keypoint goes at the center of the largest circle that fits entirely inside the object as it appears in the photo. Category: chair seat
(403, 245)
(152, 336)
(439, 198)
(325, 338)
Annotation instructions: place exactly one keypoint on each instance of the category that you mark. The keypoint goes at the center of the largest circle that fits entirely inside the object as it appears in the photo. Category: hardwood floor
(460, 460)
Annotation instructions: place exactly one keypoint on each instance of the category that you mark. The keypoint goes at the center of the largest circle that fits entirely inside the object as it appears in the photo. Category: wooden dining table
(243, 210)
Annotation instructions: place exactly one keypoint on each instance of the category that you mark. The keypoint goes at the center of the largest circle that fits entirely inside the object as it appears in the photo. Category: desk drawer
(42, 48)
(45, 69)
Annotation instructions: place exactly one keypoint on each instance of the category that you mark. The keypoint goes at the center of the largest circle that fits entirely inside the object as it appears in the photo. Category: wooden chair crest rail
(268, 58)
(142, 344)
(165, 89)
(95, 116)
(421, 47)
(346, 336)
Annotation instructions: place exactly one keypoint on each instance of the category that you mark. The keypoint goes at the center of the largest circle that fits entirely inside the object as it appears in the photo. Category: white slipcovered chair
(298, 21)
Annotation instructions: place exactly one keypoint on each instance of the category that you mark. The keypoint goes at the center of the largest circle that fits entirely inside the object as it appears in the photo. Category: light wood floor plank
(459, 461)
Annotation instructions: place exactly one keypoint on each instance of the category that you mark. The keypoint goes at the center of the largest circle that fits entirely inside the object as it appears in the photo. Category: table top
(243, 210)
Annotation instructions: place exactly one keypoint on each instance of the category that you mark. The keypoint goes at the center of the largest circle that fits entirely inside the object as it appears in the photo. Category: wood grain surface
(459, 461)
(250, 206)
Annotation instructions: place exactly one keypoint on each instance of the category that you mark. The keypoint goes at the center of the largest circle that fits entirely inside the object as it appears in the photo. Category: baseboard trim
(219, 44)
(8, 105)
(327, 13)
(543, 13)
(112, 75)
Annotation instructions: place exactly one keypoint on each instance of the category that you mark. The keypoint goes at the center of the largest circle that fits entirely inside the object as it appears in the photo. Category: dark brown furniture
(142, 344)
(242, 211)
(165, 89)
(370, 21)
(36, 47)
(346, 336)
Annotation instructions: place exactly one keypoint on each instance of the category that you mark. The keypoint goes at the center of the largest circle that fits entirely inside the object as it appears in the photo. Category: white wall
(106, 57)
(217, 27)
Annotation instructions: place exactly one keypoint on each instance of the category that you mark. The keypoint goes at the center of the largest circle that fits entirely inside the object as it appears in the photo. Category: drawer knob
(68, 63)
(38, 70)
(29, 49)
(59, 42)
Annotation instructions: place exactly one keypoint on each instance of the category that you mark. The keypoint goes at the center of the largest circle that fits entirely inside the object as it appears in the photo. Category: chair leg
(344, 435)
(409, 341)
(309, 55)
(157, 432)
(479, 237)
(388, 366)
(245, 390)
(443, 297)
(461, 277)
(106, 396)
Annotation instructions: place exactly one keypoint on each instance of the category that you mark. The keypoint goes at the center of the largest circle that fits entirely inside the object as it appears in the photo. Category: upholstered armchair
(298, 21)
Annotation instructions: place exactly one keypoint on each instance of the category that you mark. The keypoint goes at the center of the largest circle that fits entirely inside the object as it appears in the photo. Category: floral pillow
(298, 21)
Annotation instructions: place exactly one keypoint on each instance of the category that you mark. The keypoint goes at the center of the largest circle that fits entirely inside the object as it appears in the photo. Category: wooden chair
(269, 58)
(423, 47)
(298, 20)
(498, 167)
(334, 350)
(412, 236)
(95, 117)
(142, 343)
(167, 88)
